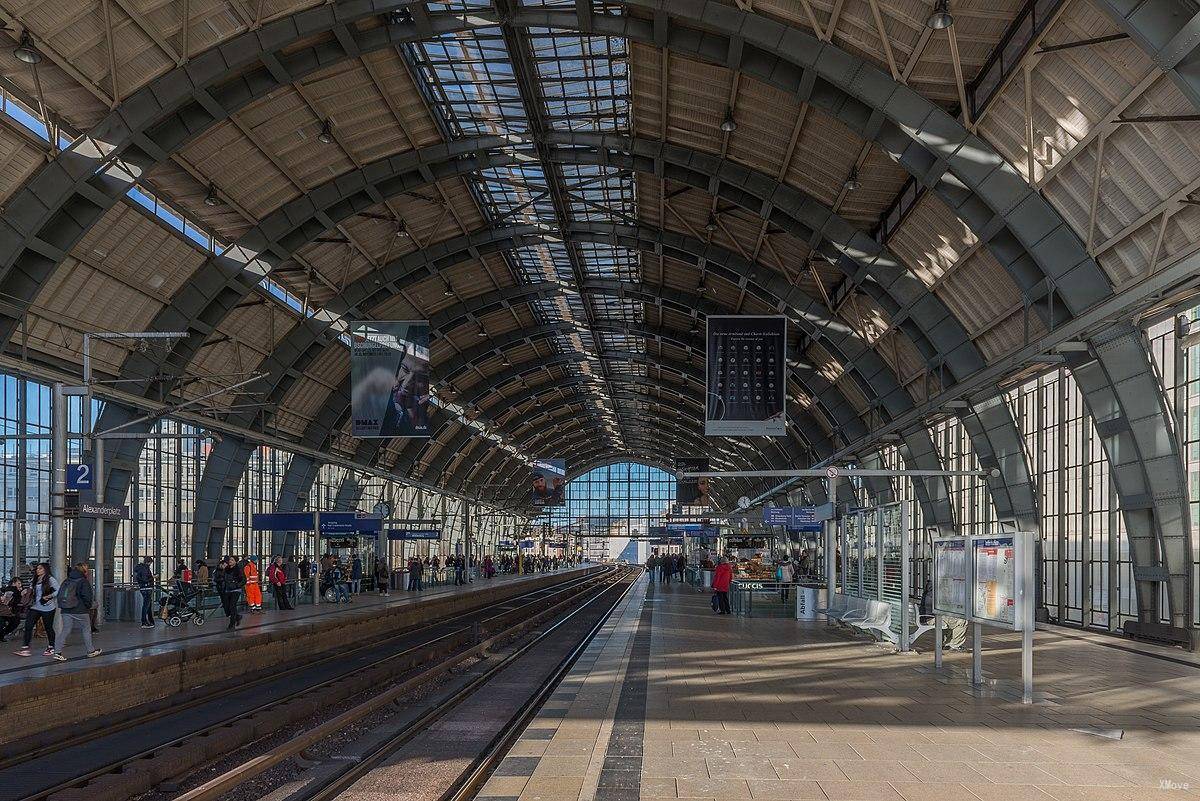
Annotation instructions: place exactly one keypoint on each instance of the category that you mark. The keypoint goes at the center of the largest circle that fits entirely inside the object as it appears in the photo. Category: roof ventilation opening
(941, 18)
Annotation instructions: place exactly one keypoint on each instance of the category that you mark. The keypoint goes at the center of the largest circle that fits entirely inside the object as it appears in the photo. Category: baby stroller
(182, 604)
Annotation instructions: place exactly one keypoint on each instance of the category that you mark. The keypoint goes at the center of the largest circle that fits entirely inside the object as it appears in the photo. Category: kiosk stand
(988, 580)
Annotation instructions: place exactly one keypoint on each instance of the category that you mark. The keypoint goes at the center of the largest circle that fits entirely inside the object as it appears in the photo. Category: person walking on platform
(253, 587)
(42, 603)
(143, 577)
(383, 576)
(228, 581)
(75, 598)
(12, 606)
(277, 580)
(460, 571)
(784, 575)
(722, 578)
(356, 574)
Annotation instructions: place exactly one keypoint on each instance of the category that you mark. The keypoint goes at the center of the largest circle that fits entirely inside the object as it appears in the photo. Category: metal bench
(875, 619)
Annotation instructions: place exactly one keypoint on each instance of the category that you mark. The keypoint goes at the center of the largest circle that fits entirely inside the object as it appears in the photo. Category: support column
(58, 485)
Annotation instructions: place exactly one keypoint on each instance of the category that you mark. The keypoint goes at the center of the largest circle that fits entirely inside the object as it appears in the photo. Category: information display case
(988, 580)
(950, 576)
(996, 589)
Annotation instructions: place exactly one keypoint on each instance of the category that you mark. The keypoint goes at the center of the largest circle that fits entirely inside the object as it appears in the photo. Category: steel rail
(351, 773)
(427, 645)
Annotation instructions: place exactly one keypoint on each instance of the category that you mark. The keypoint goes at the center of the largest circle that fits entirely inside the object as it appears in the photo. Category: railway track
(493, 702)
(137, 754)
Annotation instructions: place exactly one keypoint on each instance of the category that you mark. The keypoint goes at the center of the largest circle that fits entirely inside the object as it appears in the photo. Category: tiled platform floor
(674, 702)
(122, 641)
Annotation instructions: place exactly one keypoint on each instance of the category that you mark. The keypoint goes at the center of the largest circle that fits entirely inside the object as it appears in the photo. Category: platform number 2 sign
(79, 476)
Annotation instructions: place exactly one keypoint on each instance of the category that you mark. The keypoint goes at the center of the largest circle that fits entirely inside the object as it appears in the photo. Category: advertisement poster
(950, 577)
(389, 379)
(745, 376)
(692, 491)
(995, 579)
(549, 482)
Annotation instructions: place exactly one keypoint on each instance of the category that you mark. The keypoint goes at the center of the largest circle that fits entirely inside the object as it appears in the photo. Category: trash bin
(809, 598)
(706, 579)
(119, 603)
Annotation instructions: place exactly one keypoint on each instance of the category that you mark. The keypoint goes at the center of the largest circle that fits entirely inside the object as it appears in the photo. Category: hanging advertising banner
(745, 372)
(389, 379)
(692, 491)
(549, 482)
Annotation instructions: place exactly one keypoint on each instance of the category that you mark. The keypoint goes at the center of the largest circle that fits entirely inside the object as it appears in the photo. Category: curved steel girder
(1169, 32)
(674, 438)
(57, 205)
(490, 465)
(294, 491)
(688, 372)
(216, 289)
(580, 445)
(683, 441)
(199, 309)
(962, 169)
(302, 220)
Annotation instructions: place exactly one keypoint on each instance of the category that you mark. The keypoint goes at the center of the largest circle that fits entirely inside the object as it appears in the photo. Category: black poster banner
(692, 491)
(745, 374)
(389, 379)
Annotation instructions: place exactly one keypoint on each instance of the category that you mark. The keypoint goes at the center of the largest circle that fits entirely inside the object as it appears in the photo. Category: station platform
(672, 701)
(139, 666)
(124, 641)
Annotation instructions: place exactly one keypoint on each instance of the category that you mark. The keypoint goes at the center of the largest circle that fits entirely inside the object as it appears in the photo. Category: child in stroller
(183, 601)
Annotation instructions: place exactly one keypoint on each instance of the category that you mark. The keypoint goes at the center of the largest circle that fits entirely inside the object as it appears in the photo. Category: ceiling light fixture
(211, 198)
(25, 51)
(447, 290)
(941, 18)
(401, 229)
(852, 183)
(711, 225)
(325, 137)
(729, 124)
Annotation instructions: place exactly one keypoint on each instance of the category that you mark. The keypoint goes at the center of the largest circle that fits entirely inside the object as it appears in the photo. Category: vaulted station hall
(876, 323)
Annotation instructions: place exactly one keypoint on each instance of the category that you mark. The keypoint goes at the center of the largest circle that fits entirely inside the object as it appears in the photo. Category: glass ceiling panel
(470, 83)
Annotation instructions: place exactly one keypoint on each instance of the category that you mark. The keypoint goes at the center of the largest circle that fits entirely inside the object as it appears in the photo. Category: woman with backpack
(42, 604)
(12, 606)
(75, 598)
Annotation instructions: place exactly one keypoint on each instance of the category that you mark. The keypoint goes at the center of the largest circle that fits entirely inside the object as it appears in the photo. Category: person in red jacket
(277, 578)
(722, 578)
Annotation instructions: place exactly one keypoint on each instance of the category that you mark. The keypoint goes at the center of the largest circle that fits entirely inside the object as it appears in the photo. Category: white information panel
(950, 576)
(995, 585)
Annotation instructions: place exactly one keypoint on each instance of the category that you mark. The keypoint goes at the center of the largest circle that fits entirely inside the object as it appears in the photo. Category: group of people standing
(664, 567)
